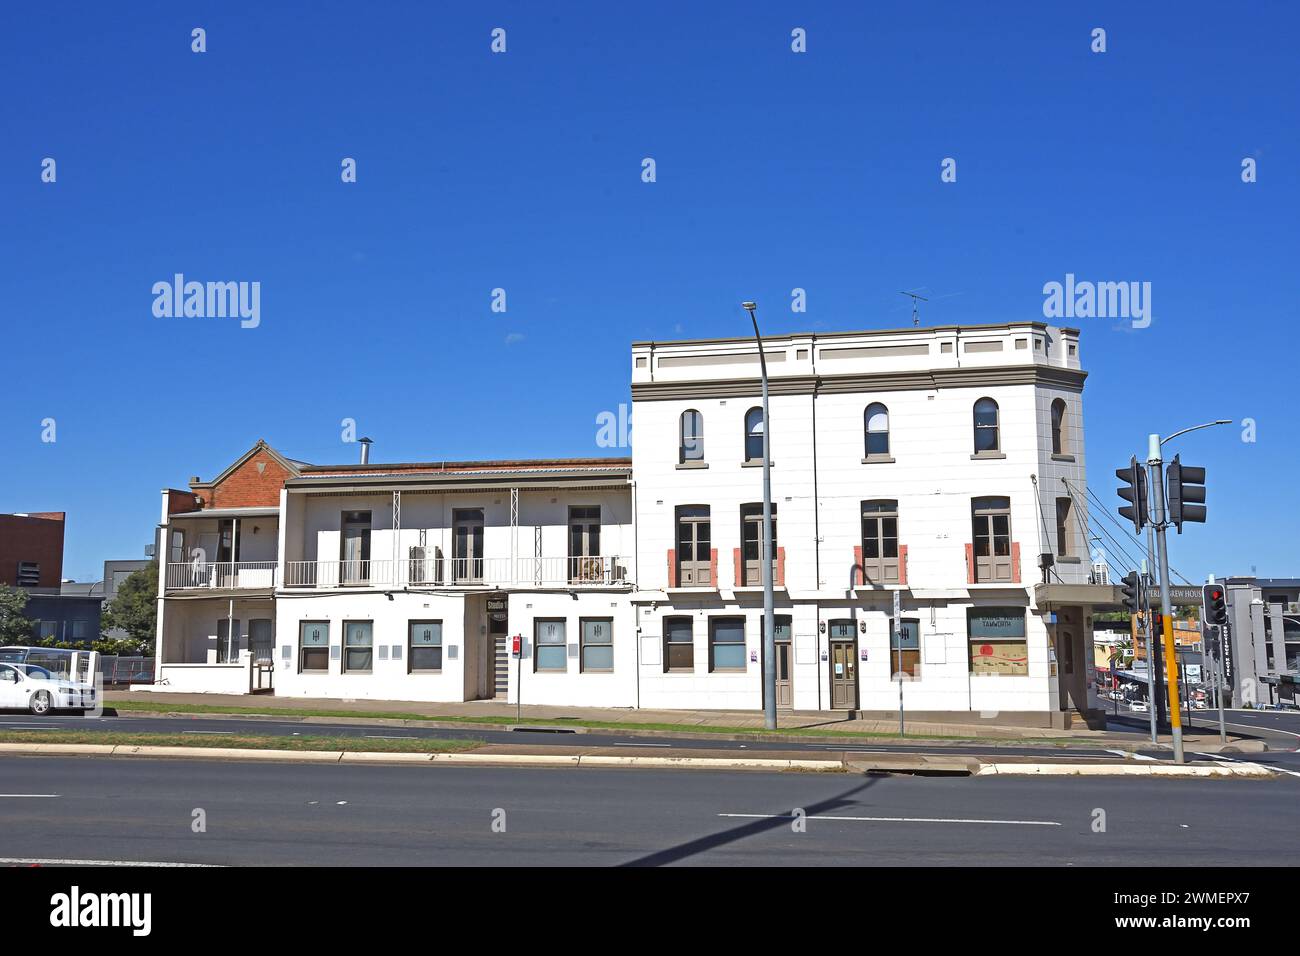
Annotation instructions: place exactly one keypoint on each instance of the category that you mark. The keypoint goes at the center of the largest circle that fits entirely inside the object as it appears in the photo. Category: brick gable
(255, 483)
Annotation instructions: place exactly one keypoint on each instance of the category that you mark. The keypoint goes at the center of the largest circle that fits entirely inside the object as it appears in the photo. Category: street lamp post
(769, 631)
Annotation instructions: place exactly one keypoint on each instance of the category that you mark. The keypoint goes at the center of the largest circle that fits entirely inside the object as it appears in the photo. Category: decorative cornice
(1048, 375)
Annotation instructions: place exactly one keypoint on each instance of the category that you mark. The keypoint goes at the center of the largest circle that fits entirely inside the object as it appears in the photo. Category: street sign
(1177, 595)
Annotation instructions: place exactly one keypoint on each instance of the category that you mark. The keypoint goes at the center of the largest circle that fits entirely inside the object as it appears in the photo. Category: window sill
(550, 670)
(357, 673)
(728, 670)
(981, 455)
(1056, 457)
(589, 670)
(878, 460)
(680, 671)
(688, 465)
(416, 673)
(757, 463)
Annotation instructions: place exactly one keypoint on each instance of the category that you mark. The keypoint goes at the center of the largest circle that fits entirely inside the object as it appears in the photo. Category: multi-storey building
(940, 470)
(1262, 666)
(402, 581)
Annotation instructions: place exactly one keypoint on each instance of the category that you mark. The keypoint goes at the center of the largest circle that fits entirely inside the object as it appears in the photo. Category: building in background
(1263, 660)
(31, 551)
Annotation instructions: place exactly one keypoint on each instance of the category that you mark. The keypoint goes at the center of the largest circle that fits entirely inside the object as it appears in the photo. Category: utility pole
(769, 622)
(1155, 464)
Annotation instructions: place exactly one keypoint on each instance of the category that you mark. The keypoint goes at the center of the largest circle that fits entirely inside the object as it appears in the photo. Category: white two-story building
(939, 468)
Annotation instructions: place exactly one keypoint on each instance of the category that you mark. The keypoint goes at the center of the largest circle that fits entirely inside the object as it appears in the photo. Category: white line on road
(1267, 729)
(1130, 753)
(1293, 773)
(207, 731)
(37, 861)
(389, 737)
(787, 816)
(617, 744)
(26, 795)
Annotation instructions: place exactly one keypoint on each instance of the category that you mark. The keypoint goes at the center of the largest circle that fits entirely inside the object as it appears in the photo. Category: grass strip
(171, 708)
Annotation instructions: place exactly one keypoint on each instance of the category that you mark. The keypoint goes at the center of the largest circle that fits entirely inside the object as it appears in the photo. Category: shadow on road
(745, 830)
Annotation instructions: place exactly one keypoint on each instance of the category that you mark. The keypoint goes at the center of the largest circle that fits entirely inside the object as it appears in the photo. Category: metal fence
(126, 670)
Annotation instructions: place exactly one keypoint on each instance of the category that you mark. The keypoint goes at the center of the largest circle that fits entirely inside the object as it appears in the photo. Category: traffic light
(1135, 493)
(1129, 586)
(1216, 607)
(1186, 494)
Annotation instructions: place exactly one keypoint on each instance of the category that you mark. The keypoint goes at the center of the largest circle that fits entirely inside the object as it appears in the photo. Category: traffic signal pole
(1157, 483)
(1153, 670)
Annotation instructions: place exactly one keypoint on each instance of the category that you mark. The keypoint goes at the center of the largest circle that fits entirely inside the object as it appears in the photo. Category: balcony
(441, 572)
(221, 576)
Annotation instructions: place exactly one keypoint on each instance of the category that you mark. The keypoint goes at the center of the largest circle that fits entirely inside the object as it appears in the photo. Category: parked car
(1138, 706)
(33, 687)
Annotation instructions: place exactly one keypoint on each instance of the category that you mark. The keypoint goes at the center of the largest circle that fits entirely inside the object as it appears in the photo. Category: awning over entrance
(1102, 597)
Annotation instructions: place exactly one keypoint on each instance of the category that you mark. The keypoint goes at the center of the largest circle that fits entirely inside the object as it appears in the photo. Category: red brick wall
(179, 502)
(246, 487)
(36, 537)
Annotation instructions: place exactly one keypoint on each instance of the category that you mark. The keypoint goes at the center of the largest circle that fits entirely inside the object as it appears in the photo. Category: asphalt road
(59, 809)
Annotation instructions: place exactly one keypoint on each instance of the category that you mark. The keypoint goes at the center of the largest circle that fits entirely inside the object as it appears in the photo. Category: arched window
(692, 436)
(876, 423)
(754, 434)
(986, 426)
(1060, 443)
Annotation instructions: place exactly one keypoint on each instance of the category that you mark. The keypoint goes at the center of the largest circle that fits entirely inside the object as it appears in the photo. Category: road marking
(617, 744)
(1131, 753)
(40, 861)
(207, 731)
(387, 737)
(26, 795)
(1293, 773)
(1266, 729)
(788, 816)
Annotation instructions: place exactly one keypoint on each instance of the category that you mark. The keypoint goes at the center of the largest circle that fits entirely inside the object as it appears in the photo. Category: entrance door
(844, 669)
(784, 686)
(498, 632)
(467, 546)
(261, 640)
(355, 547)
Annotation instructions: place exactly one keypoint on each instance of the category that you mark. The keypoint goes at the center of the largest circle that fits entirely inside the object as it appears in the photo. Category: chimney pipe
(365, 444)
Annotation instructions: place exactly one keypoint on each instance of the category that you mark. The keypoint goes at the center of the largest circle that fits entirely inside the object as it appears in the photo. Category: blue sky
(522, 171)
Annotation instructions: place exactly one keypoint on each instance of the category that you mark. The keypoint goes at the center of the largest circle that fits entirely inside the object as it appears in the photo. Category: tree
(15, 628)
(135, 609)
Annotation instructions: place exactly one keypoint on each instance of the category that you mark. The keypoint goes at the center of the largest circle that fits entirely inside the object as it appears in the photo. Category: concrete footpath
(696, 724)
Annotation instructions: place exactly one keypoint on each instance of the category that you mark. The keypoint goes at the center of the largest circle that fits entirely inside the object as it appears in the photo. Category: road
(139, 810)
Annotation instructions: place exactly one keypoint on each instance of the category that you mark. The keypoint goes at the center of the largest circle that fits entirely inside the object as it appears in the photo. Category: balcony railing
(221, 575)
(456, 572)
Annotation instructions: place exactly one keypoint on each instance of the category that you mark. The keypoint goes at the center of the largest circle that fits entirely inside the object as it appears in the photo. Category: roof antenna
(916, 317)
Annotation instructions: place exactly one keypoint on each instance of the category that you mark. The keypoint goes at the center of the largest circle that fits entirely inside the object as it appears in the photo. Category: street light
(769, 631)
